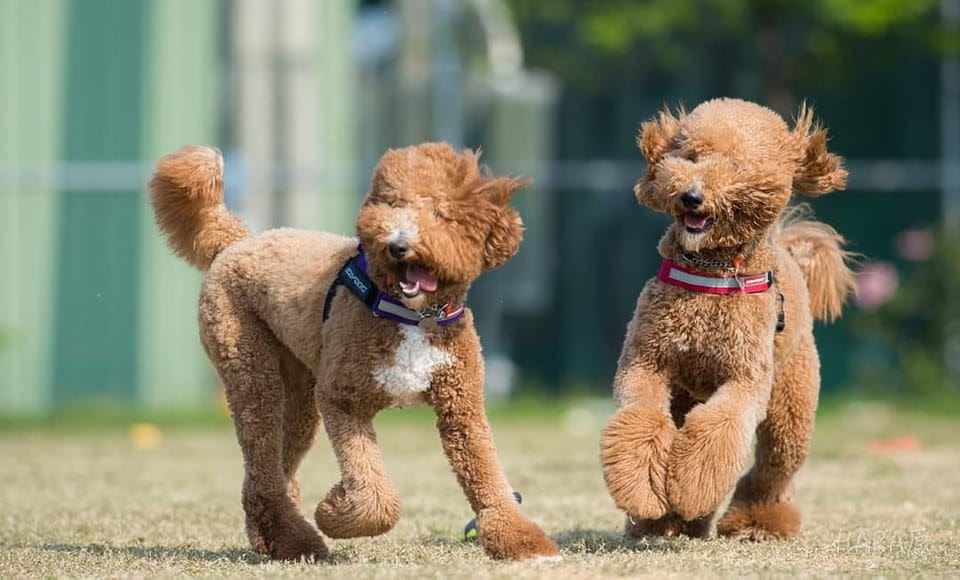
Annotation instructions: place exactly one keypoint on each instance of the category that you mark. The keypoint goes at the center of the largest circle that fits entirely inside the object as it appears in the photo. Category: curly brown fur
(284, 368)
(701, 374)
(187, 197)
(760, 521)
(818, 250)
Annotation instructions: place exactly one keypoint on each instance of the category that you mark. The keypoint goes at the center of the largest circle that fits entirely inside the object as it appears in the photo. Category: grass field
(880, 495)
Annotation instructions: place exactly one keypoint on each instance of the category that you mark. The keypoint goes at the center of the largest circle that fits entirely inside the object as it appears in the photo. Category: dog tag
(429, 324)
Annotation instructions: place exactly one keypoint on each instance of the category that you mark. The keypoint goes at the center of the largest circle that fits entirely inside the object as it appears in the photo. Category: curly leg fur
(364, 503)
(710, 450)
(763, 507)
(760, 522)
(636, 442)
(252, 375)
(634, 450)
(504, 532)
(300, 419)
(671, 524)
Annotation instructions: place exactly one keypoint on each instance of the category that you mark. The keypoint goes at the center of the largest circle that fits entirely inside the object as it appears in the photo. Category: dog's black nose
(692, 198)
(398, 250)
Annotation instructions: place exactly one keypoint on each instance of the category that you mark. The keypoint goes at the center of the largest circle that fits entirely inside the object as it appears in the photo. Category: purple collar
(353, 275)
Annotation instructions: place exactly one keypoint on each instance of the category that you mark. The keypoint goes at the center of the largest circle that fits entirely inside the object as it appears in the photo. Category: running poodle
(303, 326)
(721, 343)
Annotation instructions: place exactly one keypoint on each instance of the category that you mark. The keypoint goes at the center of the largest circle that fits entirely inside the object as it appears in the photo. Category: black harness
(354, 279)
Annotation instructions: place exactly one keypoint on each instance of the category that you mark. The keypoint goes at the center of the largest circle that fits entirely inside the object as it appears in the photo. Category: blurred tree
(594, 41)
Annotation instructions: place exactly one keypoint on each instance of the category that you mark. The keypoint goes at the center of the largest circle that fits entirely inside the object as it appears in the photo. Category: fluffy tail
(187, 196)
(818, 250)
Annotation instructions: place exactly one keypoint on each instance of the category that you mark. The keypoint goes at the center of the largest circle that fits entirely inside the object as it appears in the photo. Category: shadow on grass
(342, 554)
(235, 555)
(581, 541)
(576, 541)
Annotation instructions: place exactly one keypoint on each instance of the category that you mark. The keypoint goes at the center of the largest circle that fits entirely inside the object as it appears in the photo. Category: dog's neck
(355, 276)
(755, 255)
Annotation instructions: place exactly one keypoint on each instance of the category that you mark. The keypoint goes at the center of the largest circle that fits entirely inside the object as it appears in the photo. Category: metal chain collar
(707, 262)
(431, 312)
(725, 265)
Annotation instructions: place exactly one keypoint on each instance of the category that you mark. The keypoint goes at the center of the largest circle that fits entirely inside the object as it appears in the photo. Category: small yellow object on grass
(145, 435)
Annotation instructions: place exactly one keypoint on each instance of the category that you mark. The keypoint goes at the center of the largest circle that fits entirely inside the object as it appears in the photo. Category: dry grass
(87, 503)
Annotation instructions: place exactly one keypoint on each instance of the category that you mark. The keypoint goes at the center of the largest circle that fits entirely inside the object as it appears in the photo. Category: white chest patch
(414, 361)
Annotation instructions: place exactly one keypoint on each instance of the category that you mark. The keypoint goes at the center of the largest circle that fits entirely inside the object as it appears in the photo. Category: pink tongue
(426, 278)
(694, 221)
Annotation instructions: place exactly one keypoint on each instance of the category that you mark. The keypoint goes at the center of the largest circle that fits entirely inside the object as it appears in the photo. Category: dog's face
(431, 223)
(726, 171)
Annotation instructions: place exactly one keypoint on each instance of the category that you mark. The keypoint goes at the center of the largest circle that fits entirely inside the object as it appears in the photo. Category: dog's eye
(690, 156)
(380, 199)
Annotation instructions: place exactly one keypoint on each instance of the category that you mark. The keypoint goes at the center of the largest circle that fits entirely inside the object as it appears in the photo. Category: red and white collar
(676, 275)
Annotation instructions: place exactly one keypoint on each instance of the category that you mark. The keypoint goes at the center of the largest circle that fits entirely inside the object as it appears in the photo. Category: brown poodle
(721, 343)
(304, 326)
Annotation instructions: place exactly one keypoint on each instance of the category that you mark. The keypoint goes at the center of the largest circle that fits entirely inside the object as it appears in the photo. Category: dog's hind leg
(300, 418)
(364, 502)
(247, 357)
(763, 505)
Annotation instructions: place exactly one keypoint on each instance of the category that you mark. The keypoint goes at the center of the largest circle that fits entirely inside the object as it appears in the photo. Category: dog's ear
(657, 135)
(818, 171)
(506, 227)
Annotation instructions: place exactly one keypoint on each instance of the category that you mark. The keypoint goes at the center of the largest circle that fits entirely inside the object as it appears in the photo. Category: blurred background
(303, 96)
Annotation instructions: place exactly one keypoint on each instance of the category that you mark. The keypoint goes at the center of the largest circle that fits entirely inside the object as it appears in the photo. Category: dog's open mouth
(416, 280)
(696, 223)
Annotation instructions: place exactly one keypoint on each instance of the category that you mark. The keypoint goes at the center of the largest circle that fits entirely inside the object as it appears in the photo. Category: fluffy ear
(506, 228)
(656, 135)
(818, 171)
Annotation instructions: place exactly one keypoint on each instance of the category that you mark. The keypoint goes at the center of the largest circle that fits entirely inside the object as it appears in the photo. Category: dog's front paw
(634, 450)
(670, 525)
(506, 534)
(706, 457)
(355, 514)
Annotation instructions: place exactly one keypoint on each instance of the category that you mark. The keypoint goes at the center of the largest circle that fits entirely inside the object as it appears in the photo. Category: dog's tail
(818, 250)
(187, 197)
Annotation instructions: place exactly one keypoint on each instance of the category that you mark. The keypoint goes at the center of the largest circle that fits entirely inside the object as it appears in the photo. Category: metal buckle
(740, 283)
(431, 313)
(430, 317)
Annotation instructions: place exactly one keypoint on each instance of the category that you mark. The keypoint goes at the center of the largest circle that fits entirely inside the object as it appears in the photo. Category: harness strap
(329, 299)
(355, 279)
